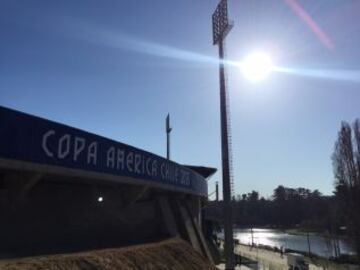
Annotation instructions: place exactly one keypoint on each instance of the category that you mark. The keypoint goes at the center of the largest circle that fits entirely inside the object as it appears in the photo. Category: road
(268, 260)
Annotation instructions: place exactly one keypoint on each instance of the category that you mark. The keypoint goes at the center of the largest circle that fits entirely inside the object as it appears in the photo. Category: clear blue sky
(116, 68)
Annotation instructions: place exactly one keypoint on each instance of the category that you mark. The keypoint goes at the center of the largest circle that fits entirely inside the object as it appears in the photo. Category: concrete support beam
(189, 227)
(133, 194)
(196, 220)
(19, 186)
(191, 219)
(28, 184)
(168, 217)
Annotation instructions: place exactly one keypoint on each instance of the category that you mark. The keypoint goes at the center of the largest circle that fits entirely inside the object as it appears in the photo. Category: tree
(253, 196)
(316, 194)
(279, 193)
(346, 164)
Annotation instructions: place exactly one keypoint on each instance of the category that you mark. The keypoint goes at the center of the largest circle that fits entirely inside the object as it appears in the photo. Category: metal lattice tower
(229, 134)
(229, 129)
(221, 28)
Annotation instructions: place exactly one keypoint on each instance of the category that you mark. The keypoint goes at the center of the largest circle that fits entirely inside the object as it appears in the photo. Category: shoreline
(270, 256)
(295, 239)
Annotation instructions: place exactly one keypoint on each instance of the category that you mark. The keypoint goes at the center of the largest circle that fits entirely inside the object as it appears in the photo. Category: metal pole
(228, 225)
(168, 145)
(217, 191)
(168, 130)
(252, 238)
(308, 242)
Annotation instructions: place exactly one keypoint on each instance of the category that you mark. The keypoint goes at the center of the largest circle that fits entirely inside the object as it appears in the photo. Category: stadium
(65, 190)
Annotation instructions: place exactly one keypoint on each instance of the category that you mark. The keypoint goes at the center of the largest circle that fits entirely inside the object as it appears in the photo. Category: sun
(257, 66)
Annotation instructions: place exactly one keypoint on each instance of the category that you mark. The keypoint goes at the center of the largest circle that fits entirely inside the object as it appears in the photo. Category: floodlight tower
(221, 28)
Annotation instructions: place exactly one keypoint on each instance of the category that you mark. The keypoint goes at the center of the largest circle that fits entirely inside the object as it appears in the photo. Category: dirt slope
(174, 254)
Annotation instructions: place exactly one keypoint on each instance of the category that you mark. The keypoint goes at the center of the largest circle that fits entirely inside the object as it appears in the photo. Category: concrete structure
(64, 189)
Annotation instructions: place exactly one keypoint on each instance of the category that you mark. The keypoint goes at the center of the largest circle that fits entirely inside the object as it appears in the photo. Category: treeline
(287, 208)
(301, 207)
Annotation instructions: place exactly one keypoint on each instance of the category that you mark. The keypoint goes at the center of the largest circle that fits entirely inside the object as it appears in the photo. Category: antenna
(168, 129)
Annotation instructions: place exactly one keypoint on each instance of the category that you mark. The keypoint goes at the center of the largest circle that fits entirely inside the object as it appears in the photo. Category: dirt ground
(174, 254)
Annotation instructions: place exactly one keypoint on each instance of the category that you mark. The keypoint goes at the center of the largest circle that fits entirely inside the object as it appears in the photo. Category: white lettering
(120, 159)
(92, 153)
(185, 179)
(176, 175)
(79, 147)
(137, 163)
(167, 171)
(130, 161)
(63, 152)
(148, 169)
(154, 168)
(110, 157)
(44, 143)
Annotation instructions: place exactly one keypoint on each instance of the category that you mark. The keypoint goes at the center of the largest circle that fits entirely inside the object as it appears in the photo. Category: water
(275, 238)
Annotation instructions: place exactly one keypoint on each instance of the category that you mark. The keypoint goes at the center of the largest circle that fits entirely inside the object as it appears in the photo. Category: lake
(276, 238)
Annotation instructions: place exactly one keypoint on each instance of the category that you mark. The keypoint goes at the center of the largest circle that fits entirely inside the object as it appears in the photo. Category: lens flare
(257, 66)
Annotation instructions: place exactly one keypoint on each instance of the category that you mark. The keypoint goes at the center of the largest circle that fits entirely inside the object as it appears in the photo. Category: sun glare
(257, 66)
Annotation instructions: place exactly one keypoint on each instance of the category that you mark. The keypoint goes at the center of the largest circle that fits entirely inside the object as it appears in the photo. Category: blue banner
(32, 139)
